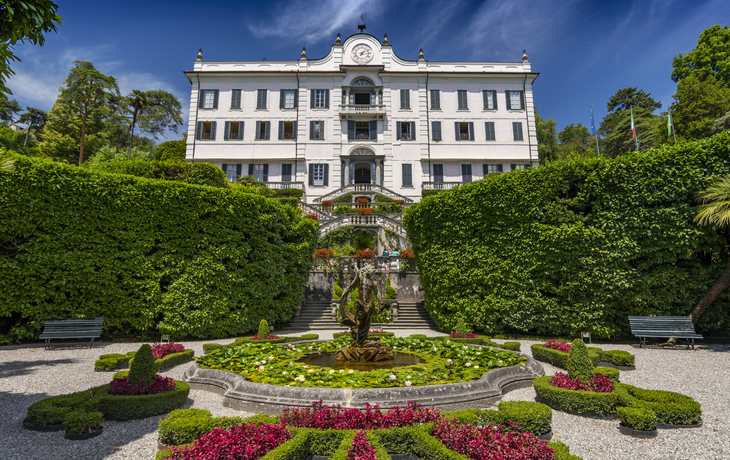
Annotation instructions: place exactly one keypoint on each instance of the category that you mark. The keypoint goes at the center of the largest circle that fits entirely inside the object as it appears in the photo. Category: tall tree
(710, 58)
(626, 98)
(88, 92)
(155, 111)
(575, 138)
(547, 144)
(33, 117)
(22, 20)
(697, 105)
(9, 109)
(616, 126)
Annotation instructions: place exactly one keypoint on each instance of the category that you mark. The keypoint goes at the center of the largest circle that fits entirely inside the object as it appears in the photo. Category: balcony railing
(287, 136)
(361, 136)
(369, 110)
(439, 185)
(464, 136)
(282, 185)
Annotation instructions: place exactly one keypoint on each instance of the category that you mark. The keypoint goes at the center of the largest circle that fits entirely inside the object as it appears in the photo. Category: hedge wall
(147, 255)
(190, 173)
(575, 245)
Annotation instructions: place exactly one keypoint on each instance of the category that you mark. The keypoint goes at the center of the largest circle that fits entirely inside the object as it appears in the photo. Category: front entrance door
(362, 174)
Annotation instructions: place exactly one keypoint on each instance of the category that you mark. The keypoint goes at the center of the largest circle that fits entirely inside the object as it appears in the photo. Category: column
(347, 98)
(347, 172)
(377, 172)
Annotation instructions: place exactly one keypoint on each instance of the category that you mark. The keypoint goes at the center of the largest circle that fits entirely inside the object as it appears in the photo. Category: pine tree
(579, 364)
(263, 329)
(143, 366)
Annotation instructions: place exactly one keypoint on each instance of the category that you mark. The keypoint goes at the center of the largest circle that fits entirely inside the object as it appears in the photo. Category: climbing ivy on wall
(575, 245)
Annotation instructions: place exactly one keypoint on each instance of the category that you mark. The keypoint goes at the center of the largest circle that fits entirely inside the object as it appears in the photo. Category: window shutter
(402, 99)
(311, 98)
(250, 169)
(215, 99)
(201, 99)
(471, 130)
(407, 176)
(350, 130)
(456, 130)
(235, 98)
(258, 130)
(509, 104)
(514, 131)
(499, 167)
(294, 130)
(512, 167)
(225, 130)
(485, 170)
(485, 99)
(282, 98)
(286, 172)
(296, 98)
(489, 130)
(266, 172)
(397, 130)
(326, 99)
(239, 166)
(326, 174)
(522, 100)
(413, 130)
(240, 130)
(321, 129)
(373, 128)
(311, 174)
(281, 130)
(311, 129)
(224, 168)
(212, 130)
(199, 130)
(519, 130)
(408, 98)
(267, 127)
(436, 130)
(494, 99)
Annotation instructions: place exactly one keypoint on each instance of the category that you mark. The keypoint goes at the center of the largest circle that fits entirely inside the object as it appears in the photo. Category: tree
(22, 20)
(616, 126)
(715, 210)
(626, 98)
(710, 58)
(575, 138)
(547, 144)
(156, 111)
(171, 151)
(88, 92)
(697, 105)
(722, 123)
(33, 117)
(8, 110)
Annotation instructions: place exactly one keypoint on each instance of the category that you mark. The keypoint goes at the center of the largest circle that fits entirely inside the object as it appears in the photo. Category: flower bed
(324, 253)
(365, 254)
(122, 387)
(465, 335)
(446, 362)
(599, 384)
(160, 350)
(116, 361)
(245, 441)
(269, 337)
(556, 353)
(312, 216)
(555, 345)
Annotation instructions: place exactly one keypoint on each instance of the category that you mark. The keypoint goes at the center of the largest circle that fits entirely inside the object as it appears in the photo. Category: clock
(362, 54)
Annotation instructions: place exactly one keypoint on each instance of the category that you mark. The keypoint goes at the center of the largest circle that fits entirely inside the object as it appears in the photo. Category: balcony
(439, 185)
(284, 185)
(362, 111)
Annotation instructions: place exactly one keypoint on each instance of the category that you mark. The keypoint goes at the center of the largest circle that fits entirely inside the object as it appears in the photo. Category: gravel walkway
(28, 374)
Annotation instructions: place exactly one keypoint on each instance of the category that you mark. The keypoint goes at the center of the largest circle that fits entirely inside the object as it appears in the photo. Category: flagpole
(593, 120)
(633, 129)
(671, 120)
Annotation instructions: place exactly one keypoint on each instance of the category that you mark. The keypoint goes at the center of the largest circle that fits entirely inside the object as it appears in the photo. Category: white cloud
(311, 22)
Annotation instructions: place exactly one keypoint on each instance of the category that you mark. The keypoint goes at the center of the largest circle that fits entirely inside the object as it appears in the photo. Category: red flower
(365, 211)
(312, 216)
(325, 253)
(407, 254)
(365, 254)
(555, 345)
(362, 200)
(327, 203)
(599, 384)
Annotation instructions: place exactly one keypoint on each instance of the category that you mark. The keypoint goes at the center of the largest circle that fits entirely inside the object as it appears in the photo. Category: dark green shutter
(326, 99)
(267, 127)
(238, 170)
(266, 172)
(250, 169)
(199, 130)
(294, 130)
(240, 130)
(485, 170)
(485, 99)
(311, 175)
(407, 175)
(201, 99)
(326, 174)
(311, 129)
(312, 95)
(226, 129)
(373, 128)
(212, 130)
(456, 130)
(471, 130)
(282, 98)
(413, 130)
(512, 167)
(224, 168)
(286, 172)
(350, 130)
(258, 130)
(281, 130)
(509, 104)
(215, 99)
(522, 100)
(397, 130)
(494, 99)
(296, 98)
(436, 130)
(499, 167)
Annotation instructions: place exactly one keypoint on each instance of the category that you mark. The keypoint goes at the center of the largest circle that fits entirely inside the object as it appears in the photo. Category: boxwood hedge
(147, 255)
(118, 361)
(637, 418)
(575, 245)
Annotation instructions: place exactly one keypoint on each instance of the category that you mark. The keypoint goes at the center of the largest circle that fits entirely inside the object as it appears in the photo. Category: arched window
(362, 82)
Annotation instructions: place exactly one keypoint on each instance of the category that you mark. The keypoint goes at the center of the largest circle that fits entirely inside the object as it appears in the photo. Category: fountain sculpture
(362, 348)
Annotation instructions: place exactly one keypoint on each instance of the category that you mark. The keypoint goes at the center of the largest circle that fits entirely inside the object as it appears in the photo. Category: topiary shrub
(389, 290)
(418, 336)
(309, 337)
(143, 366)
(461, 329)
(579, 366)
(171, 151)
(637, 418)
(338, 291)
(263, 329)
(81, 422)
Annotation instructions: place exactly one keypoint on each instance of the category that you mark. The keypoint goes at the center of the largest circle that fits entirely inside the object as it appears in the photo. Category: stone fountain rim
(239, 393)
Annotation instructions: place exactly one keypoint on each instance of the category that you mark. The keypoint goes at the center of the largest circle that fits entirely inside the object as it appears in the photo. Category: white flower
(311, 348)
(408, 383)
(261, 368)
(350, 371)
(449, 361)
(467, 364)
(291, 364)
(270, 358)
(284, 373)
(393, 377)
(476, 367)
(332, 371)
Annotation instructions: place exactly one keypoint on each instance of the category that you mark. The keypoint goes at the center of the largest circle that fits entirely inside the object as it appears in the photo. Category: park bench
(669, 327)
(72, 328)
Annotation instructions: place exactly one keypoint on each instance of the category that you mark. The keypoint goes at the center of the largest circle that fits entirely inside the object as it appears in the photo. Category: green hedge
(559, 359)
(189, 173)
(531, 417)
(670, 407)
(479, 340)
(208, 347)
(582, 402)
(575, 246)
(617, 357)
(562, 452)
(80, 422)
(637, 418)
(179, 259)
(183, 426)
(610, 372)
(118, 361)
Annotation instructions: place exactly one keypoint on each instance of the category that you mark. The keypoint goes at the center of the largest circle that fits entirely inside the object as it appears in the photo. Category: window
(263, 130)
(232, 172)
(318, 174)
(235, 98)
(261, 99)
(464, 130)
(435, 99)
(515, 100)
(405, 130)
(521, 166)
(436, 130)
(205, 130)
(489, 130)
(288, 98)
(466, 173)
(320, 99)
(517, 130)
(490, 99)
(233, 131)
(362, 130)
(489, 169)
(286, 172)
(405, 99)
(287, 130)
(259, 172)
(208, 99)
(438, 173)
(316, 129)
(363, 98)
(407, 175)
(463, 101)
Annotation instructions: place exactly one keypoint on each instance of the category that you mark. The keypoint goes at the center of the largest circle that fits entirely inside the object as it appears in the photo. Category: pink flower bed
(361, 448)
(322, 416)
(160, 350)
(242, 442)
(491, 443)
(599, 384)
(468, 335)
(271, 336)
(122, 387)
(555, 345)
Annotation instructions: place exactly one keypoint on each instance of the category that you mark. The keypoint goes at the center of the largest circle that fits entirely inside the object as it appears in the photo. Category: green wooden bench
(669, 327)
(72, 328)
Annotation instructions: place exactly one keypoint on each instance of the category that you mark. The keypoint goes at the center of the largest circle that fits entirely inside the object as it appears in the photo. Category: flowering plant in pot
(324, 253)
(312, 216)
(365, 254)
(365, 211)
(362, 200)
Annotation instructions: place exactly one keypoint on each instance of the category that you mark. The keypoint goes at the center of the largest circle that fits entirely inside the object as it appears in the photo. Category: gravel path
(28, 374)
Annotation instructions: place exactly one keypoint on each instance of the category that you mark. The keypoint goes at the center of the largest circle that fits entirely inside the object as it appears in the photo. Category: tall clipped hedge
(190, 173)
(575, 245)
(148, 255)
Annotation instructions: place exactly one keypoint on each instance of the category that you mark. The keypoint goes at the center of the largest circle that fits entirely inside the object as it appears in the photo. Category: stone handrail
(313, 210)
(439, 185)
(285, 185)
(358, 220)
(354, 188)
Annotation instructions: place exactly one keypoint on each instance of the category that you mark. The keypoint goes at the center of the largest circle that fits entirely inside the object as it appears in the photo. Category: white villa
(362, 115)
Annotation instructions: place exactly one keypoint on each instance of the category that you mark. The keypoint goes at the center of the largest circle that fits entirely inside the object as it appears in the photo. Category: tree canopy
(710, 58)
(547, 143)
(697, 105)
(155, 111)
(616, 126)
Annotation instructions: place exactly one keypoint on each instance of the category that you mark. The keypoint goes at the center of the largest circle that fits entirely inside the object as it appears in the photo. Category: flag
(669, 124)
(633, 128)
(593, 121)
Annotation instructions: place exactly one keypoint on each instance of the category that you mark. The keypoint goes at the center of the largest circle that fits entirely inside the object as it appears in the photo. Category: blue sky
(584, 50)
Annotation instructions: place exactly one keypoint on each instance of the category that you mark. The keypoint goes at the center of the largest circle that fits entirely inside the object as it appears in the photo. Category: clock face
(362, 54)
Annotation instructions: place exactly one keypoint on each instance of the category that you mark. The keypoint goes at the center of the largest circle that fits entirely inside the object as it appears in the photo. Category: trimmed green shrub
(461, 327)
(134, 407)
(579, 366)
(348, 435)
(637, 418)
(263, 329)
(559, 359)
(189, 173)
(289, 192)
(670, 407)
(338, 291)
(122, 247)
(609, 372)
(171, 151)
(172, 360)
(617, 357)
(263, 418)
(562, 452)
(208, 347)
(111, 362)
(418, 336)
(297, 448)
(309, 337)
(53, 410)
(582, 402)
(80, 422)
(529, 416)
(326, 442)
(142, 366)
(183, 426)
(514, 346)
(120, 374)
(577, 236)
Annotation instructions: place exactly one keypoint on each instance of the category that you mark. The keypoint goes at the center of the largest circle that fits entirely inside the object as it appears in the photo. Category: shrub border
(162, 364)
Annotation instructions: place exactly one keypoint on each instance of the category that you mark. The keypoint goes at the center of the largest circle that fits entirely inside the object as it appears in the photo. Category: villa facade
(362, 115)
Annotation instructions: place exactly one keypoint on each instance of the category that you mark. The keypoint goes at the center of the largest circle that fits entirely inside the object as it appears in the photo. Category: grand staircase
(317, 315)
